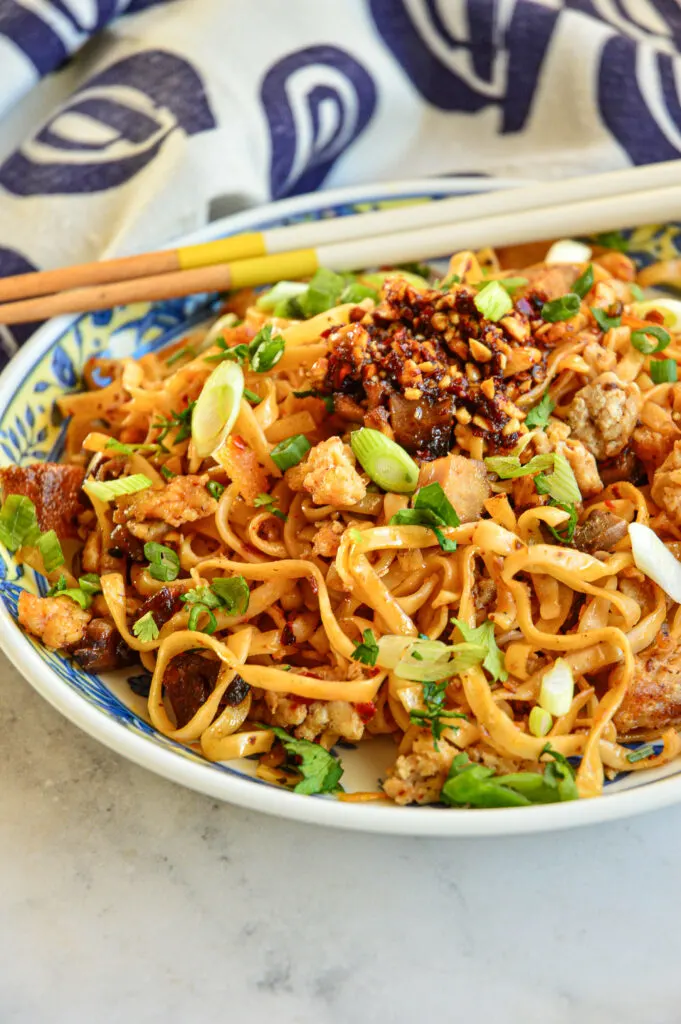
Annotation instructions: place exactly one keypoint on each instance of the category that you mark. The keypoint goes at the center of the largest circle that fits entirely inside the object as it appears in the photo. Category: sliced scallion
(110, 489)
(664, 371)
(217, 407)
(386, 463)
(561, 309)
(640, 339)
(50, 549)
(540, 721)
(290, 452)
(493, 301)
(18, 522)
(557, 689)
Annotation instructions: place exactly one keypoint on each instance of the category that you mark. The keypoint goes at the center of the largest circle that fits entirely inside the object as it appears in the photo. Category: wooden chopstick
(565, 219)
(341, 229)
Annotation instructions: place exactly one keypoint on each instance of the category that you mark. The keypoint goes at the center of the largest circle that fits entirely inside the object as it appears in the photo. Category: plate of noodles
(395, 551)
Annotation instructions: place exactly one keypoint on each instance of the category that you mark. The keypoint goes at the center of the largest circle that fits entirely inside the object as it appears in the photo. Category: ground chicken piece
(183, 500)
(666, 489)
(416, 779)
(603, 415)
(243, 468)
(323, 720)
(284, 711)
(653, 702)
(58, 621)
(331, 477)
(583, 465)
(327, 539)
(652, 448)
(463, 480)
(331, 720)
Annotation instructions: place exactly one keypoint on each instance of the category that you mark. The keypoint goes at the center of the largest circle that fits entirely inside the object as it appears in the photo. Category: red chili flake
(366, 711)
(609, 504)
(239, 442)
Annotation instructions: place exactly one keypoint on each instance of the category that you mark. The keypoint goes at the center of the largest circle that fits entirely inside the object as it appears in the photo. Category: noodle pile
(329, 564)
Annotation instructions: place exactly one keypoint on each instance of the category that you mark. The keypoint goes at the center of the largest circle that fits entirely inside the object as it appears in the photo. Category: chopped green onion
(540, 414)
(50, 549)
(77, 595)
(281, 294)
(322, 293)
(251, 397)
(215, 489)
(217, 408)
(380, 277)
(290, 452)
(642, 752)
(640, 339)
(265, 351)
(188, 350)
(446, 283)
(512, 284)
(557, 689)
(166, 473)
(18, 522)
(129, 449)
(164, 563)
(508, 467)
(356, 292)
(561, 309)
(612, 240)
(107, 491)
(366, 652)
(196, 613)
(637, 292)
(664, 371)
(540, 721)
(58, 587)
(561, 485)
(655, 560)
(584, 282)
(269, 502)
(233, 593)
(386, 463)
(483, 636)
(604, 321)
(90, 584)
(145, 629)
(493, 301)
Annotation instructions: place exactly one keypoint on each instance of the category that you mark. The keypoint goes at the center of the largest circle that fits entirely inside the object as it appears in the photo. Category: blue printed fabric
(181, 110)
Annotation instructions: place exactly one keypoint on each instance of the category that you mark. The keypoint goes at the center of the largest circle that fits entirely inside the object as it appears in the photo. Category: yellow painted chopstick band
(224, 250)
(266, 269)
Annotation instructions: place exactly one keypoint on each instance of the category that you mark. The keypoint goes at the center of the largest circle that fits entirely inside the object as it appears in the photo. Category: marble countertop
(127, 898)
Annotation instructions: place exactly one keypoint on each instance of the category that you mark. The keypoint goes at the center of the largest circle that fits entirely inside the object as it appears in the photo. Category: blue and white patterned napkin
(176, 112)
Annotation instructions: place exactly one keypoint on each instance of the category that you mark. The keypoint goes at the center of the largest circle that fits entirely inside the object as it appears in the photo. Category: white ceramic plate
(106, 708)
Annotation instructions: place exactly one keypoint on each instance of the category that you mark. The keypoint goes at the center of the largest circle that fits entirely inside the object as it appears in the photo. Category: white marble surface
(124, 898)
